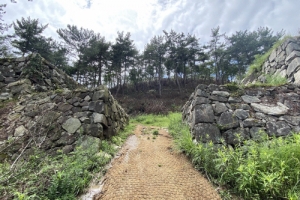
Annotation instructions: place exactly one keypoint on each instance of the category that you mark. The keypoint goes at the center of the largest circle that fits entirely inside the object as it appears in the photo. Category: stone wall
(21, 76)
(58, 119)
(283, 61)
(50, 111)
(214, 113)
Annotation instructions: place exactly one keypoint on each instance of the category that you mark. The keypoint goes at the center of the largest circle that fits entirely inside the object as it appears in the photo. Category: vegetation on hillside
(256, 65)
(264, 170)
(59, 177)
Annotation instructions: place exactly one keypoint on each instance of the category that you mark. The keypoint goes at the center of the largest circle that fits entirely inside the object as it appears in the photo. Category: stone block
(205, 132)
(203, 113)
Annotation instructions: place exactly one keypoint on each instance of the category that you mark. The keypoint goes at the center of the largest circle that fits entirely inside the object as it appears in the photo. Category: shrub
(275, 80)
(265, 170)
(56, 177)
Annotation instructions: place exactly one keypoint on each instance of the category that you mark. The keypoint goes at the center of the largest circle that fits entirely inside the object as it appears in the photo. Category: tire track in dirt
(148, 168)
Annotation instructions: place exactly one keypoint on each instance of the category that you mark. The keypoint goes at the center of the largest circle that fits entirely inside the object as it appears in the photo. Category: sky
(145, 19)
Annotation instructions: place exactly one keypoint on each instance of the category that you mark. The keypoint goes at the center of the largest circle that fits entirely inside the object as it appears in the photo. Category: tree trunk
(99, 73)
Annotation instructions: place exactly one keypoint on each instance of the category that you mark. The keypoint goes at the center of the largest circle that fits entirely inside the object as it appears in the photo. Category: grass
(60, 177)
(154, 120)
(265, 170)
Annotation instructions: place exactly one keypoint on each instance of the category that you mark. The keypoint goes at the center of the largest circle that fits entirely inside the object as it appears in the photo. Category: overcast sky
(147, 18)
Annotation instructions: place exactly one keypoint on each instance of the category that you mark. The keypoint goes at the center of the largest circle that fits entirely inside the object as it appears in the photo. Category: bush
(275, 80)
(265, 170)
(60, 177)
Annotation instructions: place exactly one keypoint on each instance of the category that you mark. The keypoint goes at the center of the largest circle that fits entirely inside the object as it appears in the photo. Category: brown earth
(148, 168)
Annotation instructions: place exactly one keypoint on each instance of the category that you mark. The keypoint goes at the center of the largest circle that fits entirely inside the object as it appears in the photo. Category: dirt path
(148, 169)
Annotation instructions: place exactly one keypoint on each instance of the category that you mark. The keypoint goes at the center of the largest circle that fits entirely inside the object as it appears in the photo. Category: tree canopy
(178, 57)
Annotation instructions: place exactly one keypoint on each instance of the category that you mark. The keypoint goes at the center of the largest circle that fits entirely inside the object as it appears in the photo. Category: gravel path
(148, 168)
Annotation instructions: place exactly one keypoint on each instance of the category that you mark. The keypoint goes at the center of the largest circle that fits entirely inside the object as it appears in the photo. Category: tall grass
(154, 120)
(266, 170)
(60, 177)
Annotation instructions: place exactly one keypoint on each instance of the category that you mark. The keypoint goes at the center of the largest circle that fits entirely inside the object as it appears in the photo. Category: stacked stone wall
(214, 113)
(284, 61)
(58, 119)
(18, 76)
(50, 111)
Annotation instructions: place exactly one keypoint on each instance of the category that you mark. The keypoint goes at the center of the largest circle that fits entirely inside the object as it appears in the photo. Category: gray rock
(260, 115)
(87, 98)
(241, 114)
(207, 132)
(236, 136)
(291, 56)
(201, 93)
(296, 129)
(292, 47)
(280, 109)
(95, 130)
(21, 59)
(234, 100)
(63, 107)
(221, 93)
(258, 134)
(272, 56)
(245, 106)
(74, 100)
(67, 149)
(250, 122)
(20, 131)
(99, 118)
(76, 109)
(97, 106)
(85, 108)
(280, 59)
(293, 66)
(71, 125)
(282, 72)
(279, 128)
(293, 120)
(82, 114)
(98, 95)
(219, 108)
(5, 96)
(65, 139)
(200, 100)
(250, 99)
(203, 113)
(9, 80)
(89, 142)
(84, 103)
(213, 87)
(2, 78)
(48, 81)
(297, 78)
(218, 98)
(85, 120)
(228, 120)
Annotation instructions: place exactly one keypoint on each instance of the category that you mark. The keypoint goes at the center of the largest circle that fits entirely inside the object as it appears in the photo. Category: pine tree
(29, 33)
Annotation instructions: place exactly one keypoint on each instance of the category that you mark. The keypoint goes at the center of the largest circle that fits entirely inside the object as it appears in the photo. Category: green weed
(155, 132)
(257, 64)
(58, 177)
(154, 120)
(265, 170)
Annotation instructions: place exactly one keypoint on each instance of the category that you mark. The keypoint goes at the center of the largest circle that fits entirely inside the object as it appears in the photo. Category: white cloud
(147, 18)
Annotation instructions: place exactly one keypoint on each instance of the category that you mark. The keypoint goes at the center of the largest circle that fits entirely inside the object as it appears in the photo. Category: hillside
(143, 98)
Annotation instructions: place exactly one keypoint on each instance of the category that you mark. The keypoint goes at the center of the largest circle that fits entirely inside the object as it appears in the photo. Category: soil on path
(148, 168)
